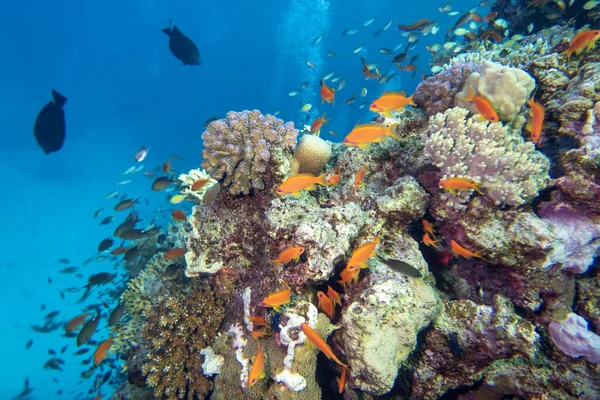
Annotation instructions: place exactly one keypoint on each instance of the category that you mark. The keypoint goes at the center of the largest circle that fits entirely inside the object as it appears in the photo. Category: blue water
(125, 89)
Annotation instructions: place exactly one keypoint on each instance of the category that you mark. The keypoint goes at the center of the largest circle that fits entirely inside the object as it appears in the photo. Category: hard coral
(512, 171)
(312, 154)
(247, 147)
(178, 328)
(573, 337)
(206, 194)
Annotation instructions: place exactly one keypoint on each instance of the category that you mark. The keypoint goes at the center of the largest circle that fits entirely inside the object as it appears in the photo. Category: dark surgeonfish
(49, 128)
(181, 46)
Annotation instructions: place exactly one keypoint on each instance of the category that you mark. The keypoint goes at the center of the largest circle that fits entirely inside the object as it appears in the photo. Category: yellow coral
(312, 154)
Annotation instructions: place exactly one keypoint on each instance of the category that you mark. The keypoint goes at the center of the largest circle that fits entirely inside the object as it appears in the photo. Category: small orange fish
(391, 101)
(360, 177)
(361, 255)
(199, 184)
(484, 108)
(178, 215)
(289, 254)
(454, 185)
(327, 93)
(257, 320)
(318, 123)
(534, 126)
(408, 68)
(461, 251)
(349, 275)
(325, 304)
(490, 17)
(428, 227)
(258, 367)
(260, 333)
(428, 241)
(119, 250)
(175, 253)
(342, 380)
(166, 167)
(76, 322)
(102, 350)
(334, 179)
(365, 134)
(320, 343)
(295, 184)
(276, 299)
(334, 296)
(585, 40)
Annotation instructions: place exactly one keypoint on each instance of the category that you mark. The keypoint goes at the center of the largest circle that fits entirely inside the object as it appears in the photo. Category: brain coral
(511, 170)
(245, 147)
(312, 154)
(506, 88)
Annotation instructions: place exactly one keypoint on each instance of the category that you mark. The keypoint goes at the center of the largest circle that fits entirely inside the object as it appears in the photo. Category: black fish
(53, 363)
(402, 267)
(82, 351)
(29, 344)
(52, 352)
(105, 244)
(116, 315)
(100, 278)
(87, 331)
(52, 314)
(211, 119)
(68, 270)
(182, 47)
(26, 390)
(107, 220)
(49, 128)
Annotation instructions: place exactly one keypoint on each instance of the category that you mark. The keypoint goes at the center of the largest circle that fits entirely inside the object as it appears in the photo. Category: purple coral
(573, 337)
(243, 148)
(436, 93)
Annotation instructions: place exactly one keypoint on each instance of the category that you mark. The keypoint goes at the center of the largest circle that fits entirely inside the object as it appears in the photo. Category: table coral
(180, 326)
(511, 170)
(246, 147)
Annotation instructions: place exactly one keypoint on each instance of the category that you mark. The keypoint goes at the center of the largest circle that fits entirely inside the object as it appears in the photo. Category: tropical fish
(102, 349)
(26, 390)
(125, 204)
(461, 251)
(428, 227)
(101, 278)
(334, 296)
(97, 212)
(402, 267)
(295, 184)
(105, 244)
(178, 198)
(199, 184)
(257, 372)
(75, 322)
(260, 333)
(182, 47)
(161, 183)
(318, 123)
(211, 119)
(454, 185)
(85, 334)
(256, 320)
(325, 304)
(276, 299)
(360, 177)
(349, 32)
(175, 253)
(141, 154)
(306, 107)
(362, 254)
(327, 93)
(320, 343)
(342, 380)
(116, 315)
(49, 127)
(391, 101)
(119, 250)
(289, 254)
(133, 253)
(178, 215)
(483, 105)
(534, 126)
(365, 134)
(334, 179)
(68, 270)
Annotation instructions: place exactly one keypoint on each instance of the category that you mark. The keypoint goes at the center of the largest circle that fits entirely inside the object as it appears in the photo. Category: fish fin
(311, 187)
(322, 180)
(387, 114)
(379, 139)
(391, 131)
(296, 193)
(411, 103)
(364, 146)
(277, 308)
(276, 262)
(477, 186)
(58, 98)
(262, 374)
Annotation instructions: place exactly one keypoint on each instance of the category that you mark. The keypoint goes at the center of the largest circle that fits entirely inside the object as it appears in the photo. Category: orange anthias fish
(461, 251)
(428, 227)
(260, 333)
(454, 185)
(199, 184)
(365, 134)
(166, 167)
(295, 184)
(391, 101)
(334, 179)
(102, 350)
(178, 215)
(325, 304)
(349, 275)
(256, 320)
(258, 367)
(76, 322)
(538, 112)
(318, 123)
(360, 177)
(361, 255)
(327, 93)
(175, 253)
(119, 251)
(276, 299)
(320, 343)
(334, 296)
(484, 108)
(289, 254)
(428, 241)
(582, 41)
(342, 380)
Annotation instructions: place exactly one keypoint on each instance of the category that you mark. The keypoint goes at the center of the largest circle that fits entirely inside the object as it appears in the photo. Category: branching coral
(178, 328)
(245, 147)
(205, 194)
(512, 171)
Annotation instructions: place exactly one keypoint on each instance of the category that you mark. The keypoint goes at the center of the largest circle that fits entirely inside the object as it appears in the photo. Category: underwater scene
(300, 199)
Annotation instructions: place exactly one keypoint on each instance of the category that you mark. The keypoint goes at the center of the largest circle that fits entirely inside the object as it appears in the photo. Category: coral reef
(573, 337)
(207, 192)
(311, 155)
(245, 148)
(512, 171)
(179, 327)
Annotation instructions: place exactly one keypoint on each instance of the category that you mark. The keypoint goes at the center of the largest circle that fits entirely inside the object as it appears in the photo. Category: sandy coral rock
(512, 171)
(405, 199)
(380, 328)
(506, 88)
(325, 232)
(588, 300)
(245, 148)
(465, 340)
(436, 93)
(312, 154)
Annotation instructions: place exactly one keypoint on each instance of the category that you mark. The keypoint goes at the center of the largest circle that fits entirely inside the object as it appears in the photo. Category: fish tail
(276, 262)
(322, 180)
(391, 131)
(477, 187)
(58, 98)
(411, 101)
(168, 30)
(567, 53)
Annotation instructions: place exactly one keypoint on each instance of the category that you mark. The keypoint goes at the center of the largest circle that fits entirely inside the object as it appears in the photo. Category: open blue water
(125, 89)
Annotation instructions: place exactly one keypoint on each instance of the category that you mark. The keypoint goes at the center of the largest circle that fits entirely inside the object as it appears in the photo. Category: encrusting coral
(179, 327)
(511, 170)
(245, 148)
